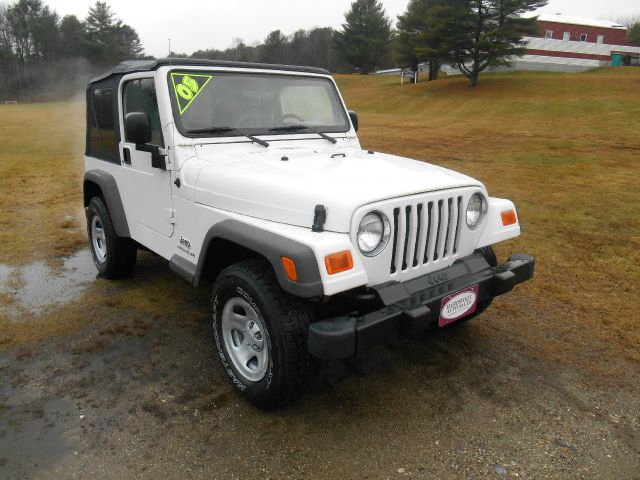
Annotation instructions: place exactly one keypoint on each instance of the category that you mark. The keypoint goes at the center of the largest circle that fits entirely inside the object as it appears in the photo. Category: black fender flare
(111, 195)
(271, 246)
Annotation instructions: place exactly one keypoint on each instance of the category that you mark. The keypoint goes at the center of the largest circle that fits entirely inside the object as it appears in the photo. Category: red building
(574, 44)
(570, 44)
(560, 27)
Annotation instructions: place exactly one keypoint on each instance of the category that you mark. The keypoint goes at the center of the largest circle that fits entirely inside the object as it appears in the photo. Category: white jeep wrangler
(251, 177)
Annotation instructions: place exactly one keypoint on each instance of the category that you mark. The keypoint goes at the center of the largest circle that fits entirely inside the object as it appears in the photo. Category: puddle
(39, 435)
(37, 286)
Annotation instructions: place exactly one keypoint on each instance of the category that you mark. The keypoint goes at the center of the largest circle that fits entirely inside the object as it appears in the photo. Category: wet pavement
(141, 394)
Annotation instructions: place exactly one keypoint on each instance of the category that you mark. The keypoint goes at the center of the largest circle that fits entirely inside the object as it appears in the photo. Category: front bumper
(413, 306)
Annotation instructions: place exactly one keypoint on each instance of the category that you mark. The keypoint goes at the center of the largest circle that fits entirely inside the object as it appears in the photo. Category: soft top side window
(101, 139)
(140, 96)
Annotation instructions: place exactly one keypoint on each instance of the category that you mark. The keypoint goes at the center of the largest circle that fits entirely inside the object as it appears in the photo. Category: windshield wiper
(215, 130)
(296, 128)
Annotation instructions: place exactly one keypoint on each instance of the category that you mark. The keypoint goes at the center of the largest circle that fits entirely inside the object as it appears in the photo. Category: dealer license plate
(458, 305)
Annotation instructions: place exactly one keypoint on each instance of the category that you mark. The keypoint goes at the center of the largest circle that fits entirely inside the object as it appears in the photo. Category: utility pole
(169, 47)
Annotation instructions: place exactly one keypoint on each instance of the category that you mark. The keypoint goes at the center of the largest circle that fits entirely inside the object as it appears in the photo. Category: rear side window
(140, 96)
(102, 140)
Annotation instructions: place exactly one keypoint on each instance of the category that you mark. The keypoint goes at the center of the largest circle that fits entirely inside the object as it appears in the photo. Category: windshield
(207, 103)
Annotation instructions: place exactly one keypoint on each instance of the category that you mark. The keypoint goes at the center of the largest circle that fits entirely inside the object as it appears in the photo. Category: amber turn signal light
(508, 217)
(338, 262)
(289, 268)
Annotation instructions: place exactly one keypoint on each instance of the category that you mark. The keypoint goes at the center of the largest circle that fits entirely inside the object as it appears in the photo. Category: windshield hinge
(170, 215)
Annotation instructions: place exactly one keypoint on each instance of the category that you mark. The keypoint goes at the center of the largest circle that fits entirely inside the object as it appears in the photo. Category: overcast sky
(202, 24)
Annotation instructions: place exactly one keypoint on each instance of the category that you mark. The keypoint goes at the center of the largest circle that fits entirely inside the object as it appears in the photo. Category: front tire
(261, 335)
(113, 256)
(491, 258)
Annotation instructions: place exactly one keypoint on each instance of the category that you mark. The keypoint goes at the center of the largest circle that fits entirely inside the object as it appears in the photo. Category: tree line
(314, 48)
(472, 35)
(363, 43)
(45, 56)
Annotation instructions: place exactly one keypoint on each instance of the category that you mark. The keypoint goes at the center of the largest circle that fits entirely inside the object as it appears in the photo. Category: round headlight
(373, 233)
(476, 210)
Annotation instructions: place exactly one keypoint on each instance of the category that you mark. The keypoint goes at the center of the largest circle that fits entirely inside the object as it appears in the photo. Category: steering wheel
(287, 116)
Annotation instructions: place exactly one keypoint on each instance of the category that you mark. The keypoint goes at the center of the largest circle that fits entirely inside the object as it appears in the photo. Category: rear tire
(261, 335)
(113, 256)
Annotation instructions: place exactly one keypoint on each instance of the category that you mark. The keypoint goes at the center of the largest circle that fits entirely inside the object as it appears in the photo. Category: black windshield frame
(344, 128)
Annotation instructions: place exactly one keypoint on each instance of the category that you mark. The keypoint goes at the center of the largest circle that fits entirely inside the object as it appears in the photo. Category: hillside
(564, 147)
(102, 376)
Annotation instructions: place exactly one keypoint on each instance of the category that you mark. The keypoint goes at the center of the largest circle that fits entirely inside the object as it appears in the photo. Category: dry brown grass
(565, 148)
(41, 169)
(40, 181)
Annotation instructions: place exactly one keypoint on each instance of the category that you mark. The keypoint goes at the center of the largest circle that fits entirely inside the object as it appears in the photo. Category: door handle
(126, 154)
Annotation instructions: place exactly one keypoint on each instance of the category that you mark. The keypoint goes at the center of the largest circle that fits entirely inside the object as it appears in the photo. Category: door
(149, 187)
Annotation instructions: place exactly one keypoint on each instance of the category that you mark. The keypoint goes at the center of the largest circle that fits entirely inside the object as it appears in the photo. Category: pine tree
(110, 40)
(486, 33)
(365, 36)
(100, 22)
(73, 37)
(45, 30)
(274, 47)
(418, 38)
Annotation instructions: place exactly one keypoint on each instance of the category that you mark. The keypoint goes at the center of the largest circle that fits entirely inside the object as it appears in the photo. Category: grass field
(41, 171)
(122, 378)
(566, 149)
(563, 147)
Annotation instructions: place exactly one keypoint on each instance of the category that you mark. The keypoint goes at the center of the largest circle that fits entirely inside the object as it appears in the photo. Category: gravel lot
(139, 395)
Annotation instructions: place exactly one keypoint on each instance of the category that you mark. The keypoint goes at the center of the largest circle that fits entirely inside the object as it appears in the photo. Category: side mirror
(137, 128)
(354, 119)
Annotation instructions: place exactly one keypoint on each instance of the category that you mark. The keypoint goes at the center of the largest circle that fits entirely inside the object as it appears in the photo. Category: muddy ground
(120, 379)
(138, 395)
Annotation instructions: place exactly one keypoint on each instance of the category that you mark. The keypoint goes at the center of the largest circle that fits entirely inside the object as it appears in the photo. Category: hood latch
(319, 219)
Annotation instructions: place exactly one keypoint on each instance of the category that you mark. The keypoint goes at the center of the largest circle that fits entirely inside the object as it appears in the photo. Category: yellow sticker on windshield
(187, 86)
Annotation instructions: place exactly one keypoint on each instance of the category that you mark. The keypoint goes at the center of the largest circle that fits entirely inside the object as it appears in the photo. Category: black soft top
(133, 66)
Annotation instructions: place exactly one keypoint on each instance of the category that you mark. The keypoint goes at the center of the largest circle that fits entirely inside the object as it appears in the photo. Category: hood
(263, 185)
